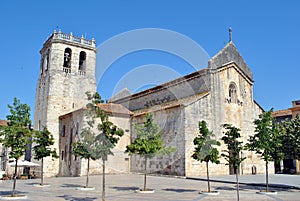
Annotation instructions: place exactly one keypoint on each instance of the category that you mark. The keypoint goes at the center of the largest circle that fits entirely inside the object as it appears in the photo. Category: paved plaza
(123, 187)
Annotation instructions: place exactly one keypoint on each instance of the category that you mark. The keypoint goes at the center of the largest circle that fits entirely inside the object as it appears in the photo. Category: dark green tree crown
(148, 140)
(204, 145)
(100, 144)
(234, 146)
(44, 140)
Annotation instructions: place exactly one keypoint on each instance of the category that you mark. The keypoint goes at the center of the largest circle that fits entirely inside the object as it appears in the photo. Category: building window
(47, 61)
(71, 140)
(232, 93)
(42, 66)
(62, 155)
(82, 63)
(63, 133)
(77, 128)
(71, 136)
(67, 60)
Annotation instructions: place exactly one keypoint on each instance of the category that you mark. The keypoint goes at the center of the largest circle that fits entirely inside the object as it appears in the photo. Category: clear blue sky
(267, 34)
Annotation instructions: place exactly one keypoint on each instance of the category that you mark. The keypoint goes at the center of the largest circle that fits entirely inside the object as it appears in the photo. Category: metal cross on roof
(230, 34)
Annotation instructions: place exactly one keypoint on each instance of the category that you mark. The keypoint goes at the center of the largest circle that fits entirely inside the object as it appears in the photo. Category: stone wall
(171, 124)
(218, 108)
(195, 112)
(240, 113)
(74, 166)
(70, 126)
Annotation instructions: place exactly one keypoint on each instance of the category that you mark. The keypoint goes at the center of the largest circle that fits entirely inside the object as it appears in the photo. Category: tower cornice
(69, 39)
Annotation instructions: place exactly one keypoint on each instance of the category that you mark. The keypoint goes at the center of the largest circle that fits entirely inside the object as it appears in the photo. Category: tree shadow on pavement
(9, 192)
(70, 185)
(178, 190)
(247, 187)
(225, 188)
(125, 188)
(68, 197)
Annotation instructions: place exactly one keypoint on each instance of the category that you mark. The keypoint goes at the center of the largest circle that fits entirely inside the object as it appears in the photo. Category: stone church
(221, 93)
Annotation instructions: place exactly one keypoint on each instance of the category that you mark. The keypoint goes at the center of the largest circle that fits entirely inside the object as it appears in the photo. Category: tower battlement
(61, 37)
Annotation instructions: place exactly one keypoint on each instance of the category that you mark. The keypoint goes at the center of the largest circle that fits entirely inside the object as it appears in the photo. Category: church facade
(221, 93)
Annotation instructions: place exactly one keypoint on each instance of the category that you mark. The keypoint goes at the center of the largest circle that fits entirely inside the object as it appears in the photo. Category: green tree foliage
(204, 148)
(17, 134)
(97, 140)
(148, 142)
(88, 148)
(290, 130)
(43, 142)
(266, 141)
(234, 147)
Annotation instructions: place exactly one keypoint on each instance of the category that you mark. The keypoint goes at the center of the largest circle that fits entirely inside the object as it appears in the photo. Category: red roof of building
(280, 113)
(115, 108)
(3, 122)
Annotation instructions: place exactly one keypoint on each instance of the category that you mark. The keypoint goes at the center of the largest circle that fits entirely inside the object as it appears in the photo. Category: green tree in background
(17, 134)
(204, 148)
(148, 143)
(42, 149)
(98, 139)
(234, 147)
(290, 130)
(266, 141)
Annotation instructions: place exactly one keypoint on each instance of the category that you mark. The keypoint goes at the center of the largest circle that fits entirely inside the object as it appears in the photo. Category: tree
(204, 150)
(148, 143)
(98, 144)
(290, 131)
(266, 141)
(234, 147)
(86, 148)
(43, 142)
(17, 134)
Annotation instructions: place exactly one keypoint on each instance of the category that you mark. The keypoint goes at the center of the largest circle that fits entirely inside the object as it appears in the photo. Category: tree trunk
(87, 173)
(103, 179)
(145, 174)
(15, 180)
(237, 185)
(207, 174)
(267, 177)
(42, 172)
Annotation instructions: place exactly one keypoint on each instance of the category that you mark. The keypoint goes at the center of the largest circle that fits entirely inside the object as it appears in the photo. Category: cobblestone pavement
(123, 187)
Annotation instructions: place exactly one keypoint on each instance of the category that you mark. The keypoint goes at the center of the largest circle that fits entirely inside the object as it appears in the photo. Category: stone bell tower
(67, 71)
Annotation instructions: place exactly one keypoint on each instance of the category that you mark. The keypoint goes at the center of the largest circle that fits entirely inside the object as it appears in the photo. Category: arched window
(46, 61)
(42, 66)
(232, 93)
(67, 60)
(82, 63)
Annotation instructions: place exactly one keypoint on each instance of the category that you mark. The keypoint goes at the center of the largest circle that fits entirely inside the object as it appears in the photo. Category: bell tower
(67, 71)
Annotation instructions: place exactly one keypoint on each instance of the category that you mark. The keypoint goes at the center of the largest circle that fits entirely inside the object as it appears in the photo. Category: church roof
(176, 103)
(110, 108)
(3, 122)
(113, 108)
(121, 94)
(163, 86)
(230, 54)
(280, 113)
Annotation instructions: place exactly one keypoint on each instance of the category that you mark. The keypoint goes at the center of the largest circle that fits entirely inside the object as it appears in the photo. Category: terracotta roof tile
(280, 113)
(115, 108)
(3, 122)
